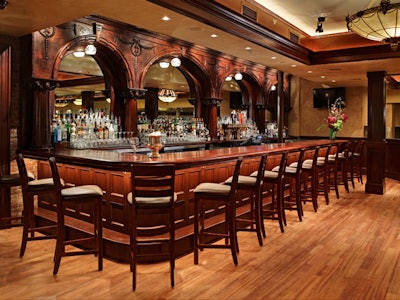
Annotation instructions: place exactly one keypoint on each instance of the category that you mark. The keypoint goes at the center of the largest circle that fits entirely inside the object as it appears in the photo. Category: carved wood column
(151, 103)
(376, 133)
(280, 106)
(129, 119)
(259, 117)
(5, 98)
(210, 115)
(41, 114)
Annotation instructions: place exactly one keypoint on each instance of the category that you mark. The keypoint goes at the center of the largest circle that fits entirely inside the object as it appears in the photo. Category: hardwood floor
(349, 249)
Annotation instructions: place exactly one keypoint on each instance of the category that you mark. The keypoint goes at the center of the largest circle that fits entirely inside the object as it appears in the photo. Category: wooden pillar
(151, 104)
(210, 115)
(375, 143)
(5, 99)
(40, 130)
(259, 117)
(280, 107)
(87, 100)
(129, 96)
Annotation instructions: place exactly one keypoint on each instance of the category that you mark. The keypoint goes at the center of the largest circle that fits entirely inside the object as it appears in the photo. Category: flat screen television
(325, 96)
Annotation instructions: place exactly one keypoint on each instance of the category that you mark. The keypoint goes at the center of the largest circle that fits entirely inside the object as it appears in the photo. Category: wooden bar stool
(152, 192)
(30, 189)
(6, 182)
(357, 160)
(332, 168)
(208, 191)
(343, 165)
(292, 179)
(309, 192)
(272, 193)
(252, 184)
(323, 172)
(88, 195)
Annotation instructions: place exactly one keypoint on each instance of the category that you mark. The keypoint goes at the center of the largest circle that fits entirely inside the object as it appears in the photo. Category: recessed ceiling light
(165, 18)
(309, 72)
(247, 48)
(333, 80)
(273, 57)
(214, 35)
(322, 76)
(294, 66)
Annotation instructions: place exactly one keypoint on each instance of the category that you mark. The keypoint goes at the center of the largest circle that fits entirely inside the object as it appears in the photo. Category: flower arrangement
(336, 118)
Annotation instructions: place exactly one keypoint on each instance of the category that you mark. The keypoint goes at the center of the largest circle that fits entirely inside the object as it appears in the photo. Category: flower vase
(332, 134)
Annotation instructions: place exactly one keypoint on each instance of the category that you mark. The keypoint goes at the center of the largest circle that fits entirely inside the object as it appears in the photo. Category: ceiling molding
(216, 15)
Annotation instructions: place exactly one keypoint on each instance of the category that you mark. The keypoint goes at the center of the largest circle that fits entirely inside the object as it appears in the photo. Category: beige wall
(304, 119)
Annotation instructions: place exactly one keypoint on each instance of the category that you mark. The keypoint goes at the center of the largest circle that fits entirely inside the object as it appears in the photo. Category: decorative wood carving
(47, 33)
(136, 46)
(44, 85)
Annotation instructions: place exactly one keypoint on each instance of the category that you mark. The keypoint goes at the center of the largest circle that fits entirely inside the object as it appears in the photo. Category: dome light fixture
(90, 49)
(238, 76)
(163, 64)
(380, 23)
(79, 53)
(167, 96)
(228, 78)
(176, 62)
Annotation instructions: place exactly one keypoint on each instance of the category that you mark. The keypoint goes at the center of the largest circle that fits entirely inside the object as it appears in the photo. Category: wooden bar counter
(110, 170)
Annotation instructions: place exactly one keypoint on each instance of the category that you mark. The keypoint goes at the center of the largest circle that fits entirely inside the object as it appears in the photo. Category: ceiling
(22, 17)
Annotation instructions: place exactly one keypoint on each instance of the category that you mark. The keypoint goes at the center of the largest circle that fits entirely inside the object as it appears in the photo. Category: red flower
(331, 120)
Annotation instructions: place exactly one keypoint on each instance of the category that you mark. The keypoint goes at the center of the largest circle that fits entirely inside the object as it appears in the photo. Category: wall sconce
(90, 49)
(78, 101)
(238, 76)
(167, 96)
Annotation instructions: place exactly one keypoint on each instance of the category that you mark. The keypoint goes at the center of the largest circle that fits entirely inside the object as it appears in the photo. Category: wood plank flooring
(349, 249)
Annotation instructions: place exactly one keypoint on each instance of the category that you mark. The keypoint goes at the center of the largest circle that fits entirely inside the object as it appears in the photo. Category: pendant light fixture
(380, 23)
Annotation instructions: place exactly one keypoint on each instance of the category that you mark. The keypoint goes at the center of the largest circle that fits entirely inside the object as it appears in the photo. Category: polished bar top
(113, 160)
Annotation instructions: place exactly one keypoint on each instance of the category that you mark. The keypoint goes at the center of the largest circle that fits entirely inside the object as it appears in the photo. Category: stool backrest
(153, 180)
(56, 176)
(235, 179)
(23, 173)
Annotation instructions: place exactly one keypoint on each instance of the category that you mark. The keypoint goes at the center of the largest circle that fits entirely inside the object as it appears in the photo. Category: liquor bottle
(100, 131)
(105, 131)
(96, 129)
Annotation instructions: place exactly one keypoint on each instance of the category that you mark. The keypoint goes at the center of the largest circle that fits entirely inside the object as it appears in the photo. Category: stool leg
(27, 219)
(232, 231)
(99, 232)
(60, 247)
(196, 230)
(279, 206)
(257, 217)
